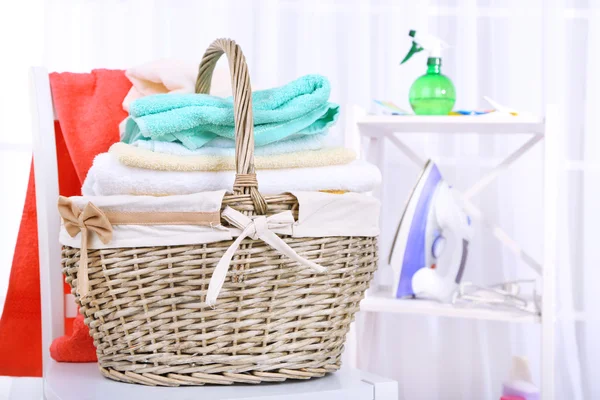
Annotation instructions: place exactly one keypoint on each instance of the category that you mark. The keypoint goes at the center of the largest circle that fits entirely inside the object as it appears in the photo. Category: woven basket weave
(146, 311)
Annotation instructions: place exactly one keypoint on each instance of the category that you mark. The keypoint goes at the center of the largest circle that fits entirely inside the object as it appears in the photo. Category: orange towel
(89, 110)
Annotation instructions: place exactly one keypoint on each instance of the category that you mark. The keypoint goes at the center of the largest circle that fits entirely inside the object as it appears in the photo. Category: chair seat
(66, 381)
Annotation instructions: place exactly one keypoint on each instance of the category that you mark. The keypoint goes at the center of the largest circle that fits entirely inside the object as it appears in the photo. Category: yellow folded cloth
(143, 158)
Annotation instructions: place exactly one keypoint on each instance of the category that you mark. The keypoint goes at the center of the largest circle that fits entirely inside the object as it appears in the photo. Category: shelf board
(376, 125)
(385, 303)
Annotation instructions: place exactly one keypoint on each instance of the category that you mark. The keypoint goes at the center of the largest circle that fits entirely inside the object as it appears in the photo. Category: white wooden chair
(64, 381)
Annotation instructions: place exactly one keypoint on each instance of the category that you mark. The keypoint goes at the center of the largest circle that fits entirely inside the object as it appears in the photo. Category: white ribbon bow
(259, 227)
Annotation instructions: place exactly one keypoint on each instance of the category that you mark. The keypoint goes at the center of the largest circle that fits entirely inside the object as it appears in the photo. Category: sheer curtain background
(523, 54)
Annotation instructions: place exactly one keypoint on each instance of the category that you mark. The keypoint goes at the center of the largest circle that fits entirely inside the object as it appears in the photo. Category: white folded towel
(109, 177)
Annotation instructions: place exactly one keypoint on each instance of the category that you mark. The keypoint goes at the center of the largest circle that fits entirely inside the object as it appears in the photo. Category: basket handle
(245, 177)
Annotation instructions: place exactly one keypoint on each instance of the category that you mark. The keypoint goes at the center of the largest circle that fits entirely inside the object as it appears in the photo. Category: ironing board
(63, 381)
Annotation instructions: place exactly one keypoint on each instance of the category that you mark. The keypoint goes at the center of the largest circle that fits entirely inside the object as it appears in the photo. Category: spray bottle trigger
(414, 49)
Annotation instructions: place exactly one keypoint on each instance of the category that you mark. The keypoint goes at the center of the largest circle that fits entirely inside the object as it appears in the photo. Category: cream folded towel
(141, 158)
(109, 177)
(172, 76)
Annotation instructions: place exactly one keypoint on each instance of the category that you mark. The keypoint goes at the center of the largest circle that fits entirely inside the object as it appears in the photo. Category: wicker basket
(146, 310)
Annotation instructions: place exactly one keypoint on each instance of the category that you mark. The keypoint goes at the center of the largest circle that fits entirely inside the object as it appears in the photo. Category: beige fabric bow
(259, 227)
(75, 221)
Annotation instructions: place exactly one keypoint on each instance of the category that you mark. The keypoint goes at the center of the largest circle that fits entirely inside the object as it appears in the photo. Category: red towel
(78, 346)
(88, 107)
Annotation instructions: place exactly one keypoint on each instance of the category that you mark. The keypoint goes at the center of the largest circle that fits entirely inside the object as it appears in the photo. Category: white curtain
(21, 41)
(522, 54)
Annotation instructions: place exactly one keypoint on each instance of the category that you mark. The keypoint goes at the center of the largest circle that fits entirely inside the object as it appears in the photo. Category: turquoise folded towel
(296, 109)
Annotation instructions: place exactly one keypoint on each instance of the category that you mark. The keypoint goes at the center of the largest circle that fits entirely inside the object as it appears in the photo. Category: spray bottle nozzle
(424, 42)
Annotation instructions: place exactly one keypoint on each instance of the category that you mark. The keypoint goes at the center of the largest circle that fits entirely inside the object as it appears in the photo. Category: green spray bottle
(432, 93)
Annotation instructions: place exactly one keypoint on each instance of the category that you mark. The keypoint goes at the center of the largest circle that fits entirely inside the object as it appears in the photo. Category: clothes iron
(431, 244)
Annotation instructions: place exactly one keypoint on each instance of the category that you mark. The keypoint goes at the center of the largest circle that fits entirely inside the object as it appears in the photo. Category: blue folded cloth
(296, 109)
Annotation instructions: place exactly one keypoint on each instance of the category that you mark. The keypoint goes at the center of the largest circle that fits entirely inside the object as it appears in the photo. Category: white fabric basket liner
(319, 215)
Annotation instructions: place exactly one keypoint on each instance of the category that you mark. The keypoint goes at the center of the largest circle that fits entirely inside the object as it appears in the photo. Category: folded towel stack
(178, 142)
(300, 108)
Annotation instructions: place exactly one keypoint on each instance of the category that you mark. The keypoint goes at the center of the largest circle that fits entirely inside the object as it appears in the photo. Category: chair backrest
(48, 219)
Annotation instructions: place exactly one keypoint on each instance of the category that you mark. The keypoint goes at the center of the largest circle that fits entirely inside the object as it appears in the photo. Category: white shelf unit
(369, 134)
